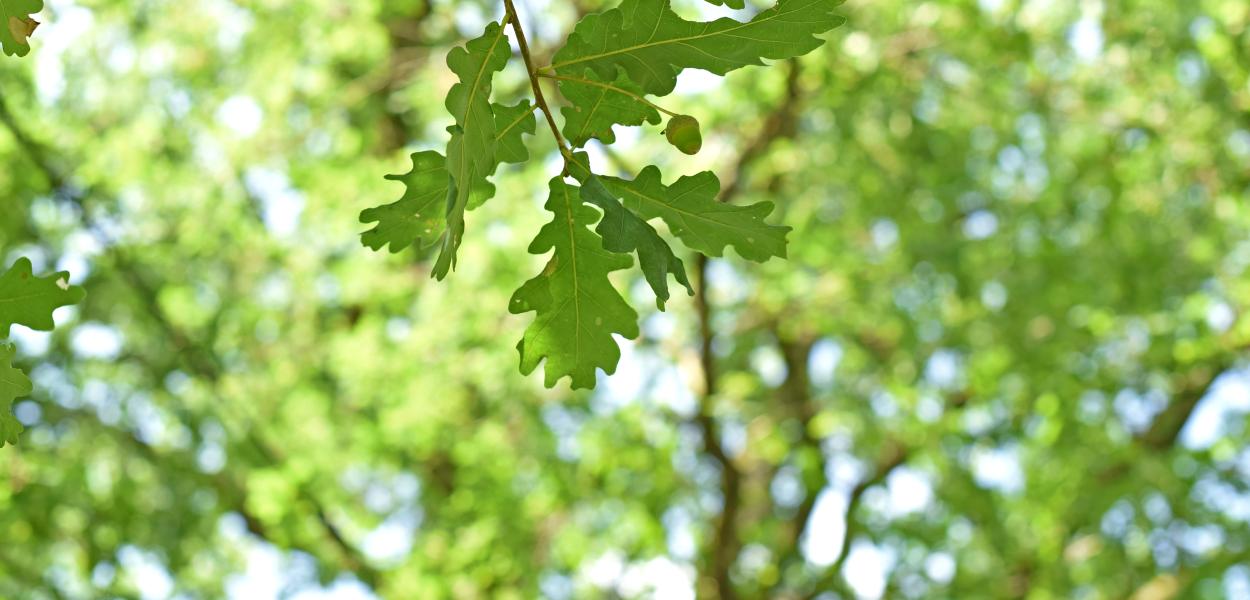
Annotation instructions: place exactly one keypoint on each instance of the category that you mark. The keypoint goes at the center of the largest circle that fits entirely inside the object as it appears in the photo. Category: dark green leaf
(597, 106)
(690, 208)
(624, 232)
(652, 44)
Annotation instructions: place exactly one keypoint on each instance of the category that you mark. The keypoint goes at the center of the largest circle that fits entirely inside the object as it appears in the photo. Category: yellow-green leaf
(16, 26)
(419, 217)
(576, 308)
(511, 122)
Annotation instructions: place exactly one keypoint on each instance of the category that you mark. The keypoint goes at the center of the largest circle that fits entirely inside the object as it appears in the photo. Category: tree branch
(796, 396)
(1167, 425)
(724, 543)
(892, 457)
(513, 19)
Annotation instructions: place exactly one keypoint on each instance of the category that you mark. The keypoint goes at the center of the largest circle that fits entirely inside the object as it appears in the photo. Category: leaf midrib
(473, 92)
(464, 189)
(12, 299)
(676, 209)
(514, 123)
(577, 290)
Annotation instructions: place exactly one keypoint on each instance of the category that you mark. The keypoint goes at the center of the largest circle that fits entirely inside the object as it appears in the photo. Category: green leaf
(29, 300)
(471, 151)
(624, 232)
(652, 44)
(734, 4)
(690, 209)
(13, 385)
(419, 217)
(577, 309)
(597, 106)
(511, 122)
(16, 25)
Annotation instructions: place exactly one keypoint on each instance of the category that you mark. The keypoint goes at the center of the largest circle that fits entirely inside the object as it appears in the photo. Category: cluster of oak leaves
(606, 70)
(612, 62)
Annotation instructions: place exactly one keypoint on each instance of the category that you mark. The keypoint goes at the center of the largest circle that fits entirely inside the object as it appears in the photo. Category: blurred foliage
(1018, 268)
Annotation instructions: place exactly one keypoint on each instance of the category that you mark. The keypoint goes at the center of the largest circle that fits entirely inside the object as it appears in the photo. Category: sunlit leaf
(16, 25)
(29, 300)
(418, 217)
(511, 124)
(471, 151)
(576, 308)
(623, 231)
(13, 385)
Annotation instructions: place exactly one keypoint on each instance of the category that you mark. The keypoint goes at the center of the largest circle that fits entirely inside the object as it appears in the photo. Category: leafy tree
(1004, 355)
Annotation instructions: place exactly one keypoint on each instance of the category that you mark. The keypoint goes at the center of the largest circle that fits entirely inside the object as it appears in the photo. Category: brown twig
(513, 19)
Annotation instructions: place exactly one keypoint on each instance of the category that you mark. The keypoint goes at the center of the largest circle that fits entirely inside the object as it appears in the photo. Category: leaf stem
(608, 86)
(539, 100)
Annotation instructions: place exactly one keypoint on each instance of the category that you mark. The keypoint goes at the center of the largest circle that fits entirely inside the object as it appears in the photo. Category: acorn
(683, 133)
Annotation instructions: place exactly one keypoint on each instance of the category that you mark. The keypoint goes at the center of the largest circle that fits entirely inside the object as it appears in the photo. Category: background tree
(1004, 357)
